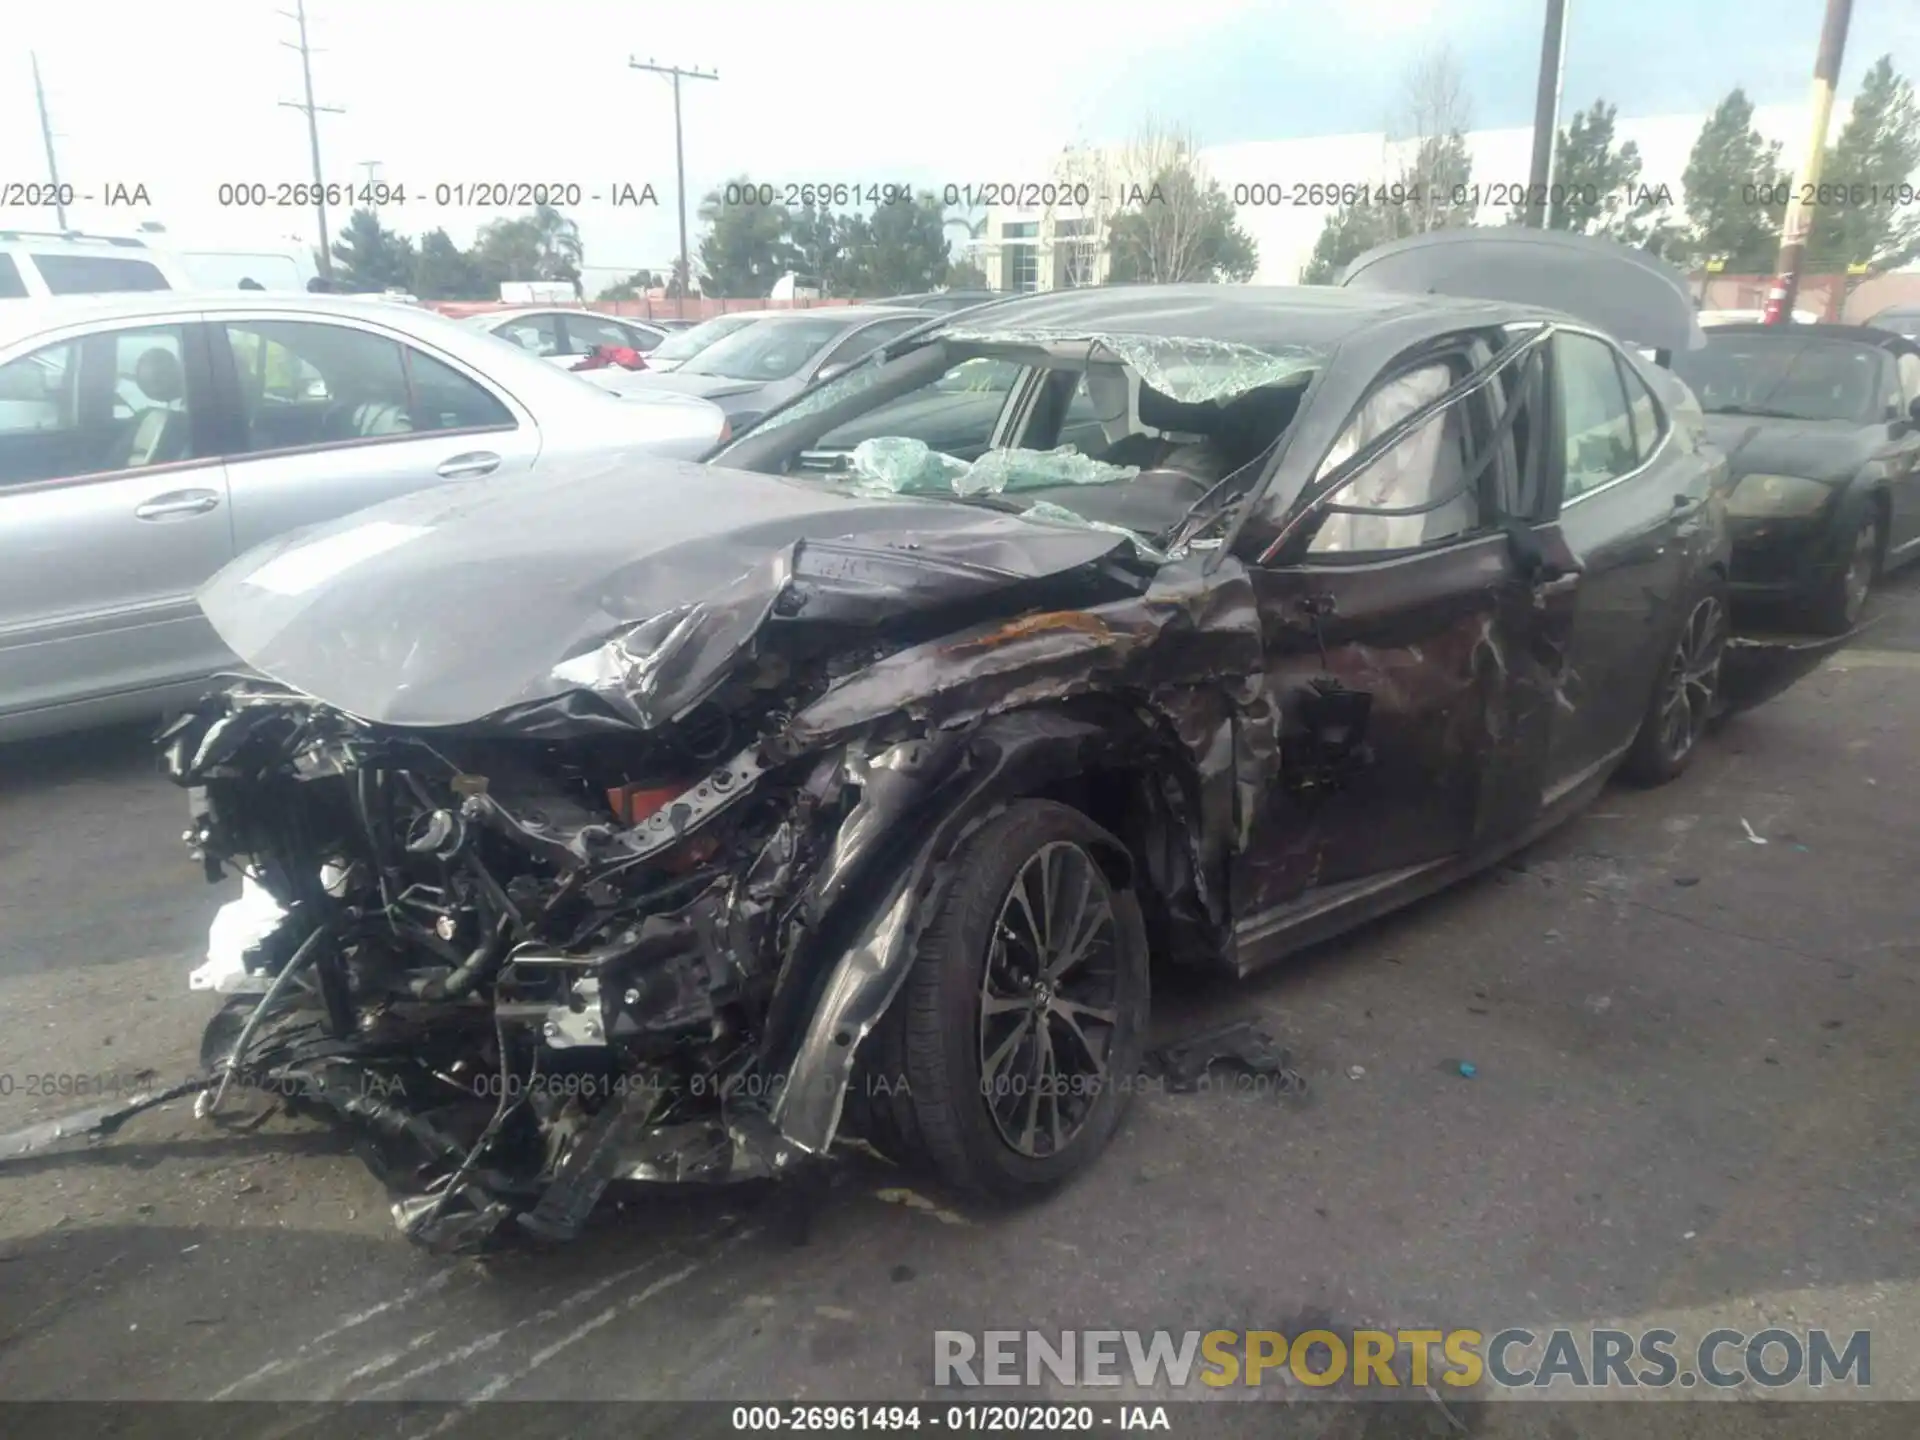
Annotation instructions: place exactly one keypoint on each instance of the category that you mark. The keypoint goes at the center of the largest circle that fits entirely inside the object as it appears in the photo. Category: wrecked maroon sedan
(662, 822)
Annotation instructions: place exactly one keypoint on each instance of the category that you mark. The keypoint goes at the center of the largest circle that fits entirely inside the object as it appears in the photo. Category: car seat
(160, 434)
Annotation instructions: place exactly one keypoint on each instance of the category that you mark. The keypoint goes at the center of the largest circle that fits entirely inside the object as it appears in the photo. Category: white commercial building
(1047, 247)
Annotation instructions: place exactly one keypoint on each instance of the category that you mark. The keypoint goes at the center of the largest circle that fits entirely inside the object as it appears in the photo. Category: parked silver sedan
(148, 439)
(565, 335)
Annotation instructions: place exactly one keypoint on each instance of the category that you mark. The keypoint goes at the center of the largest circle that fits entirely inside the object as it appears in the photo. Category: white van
(38, 264)
(230, 269)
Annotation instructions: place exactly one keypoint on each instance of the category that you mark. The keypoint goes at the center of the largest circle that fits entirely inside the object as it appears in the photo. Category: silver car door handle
(460, 467)
(179, 502)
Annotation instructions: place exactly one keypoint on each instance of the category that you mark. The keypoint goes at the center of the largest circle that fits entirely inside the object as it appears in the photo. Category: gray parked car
(770, 361)
(148, 439)
(681, 346)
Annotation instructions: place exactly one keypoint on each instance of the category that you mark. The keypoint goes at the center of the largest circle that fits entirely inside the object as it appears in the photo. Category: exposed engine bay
(524, 957)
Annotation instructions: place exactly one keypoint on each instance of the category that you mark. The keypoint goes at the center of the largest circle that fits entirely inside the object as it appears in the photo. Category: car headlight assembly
(1778, 496)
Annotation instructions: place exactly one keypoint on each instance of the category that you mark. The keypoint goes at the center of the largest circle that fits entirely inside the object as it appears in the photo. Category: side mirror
(1913, 410)
(831, 372)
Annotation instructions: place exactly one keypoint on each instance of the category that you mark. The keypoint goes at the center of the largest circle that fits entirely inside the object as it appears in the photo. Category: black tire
(1840, 604)
(937, 1109)
(1686, 696)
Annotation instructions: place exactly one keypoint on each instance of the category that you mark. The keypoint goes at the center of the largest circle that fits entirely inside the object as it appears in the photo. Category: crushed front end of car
(635, 924)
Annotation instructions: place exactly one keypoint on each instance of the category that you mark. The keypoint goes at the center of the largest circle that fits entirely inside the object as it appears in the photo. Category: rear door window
(586, 331)
(112, 401)
(306, 384)
(98, 274)
(535, 334)
(1649, 424)
(1597, 418)
(12, 287)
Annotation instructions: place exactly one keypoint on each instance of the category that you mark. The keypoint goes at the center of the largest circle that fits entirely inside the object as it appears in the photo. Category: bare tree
(1082, 192)
(1435, 164)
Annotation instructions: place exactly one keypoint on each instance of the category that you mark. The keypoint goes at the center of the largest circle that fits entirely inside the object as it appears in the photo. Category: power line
(46, 138)
(312, 111)
(679, 160)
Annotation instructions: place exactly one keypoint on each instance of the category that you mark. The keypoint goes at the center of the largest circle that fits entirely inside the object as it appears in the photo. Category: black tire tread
(927, 1118)
(1646, 764)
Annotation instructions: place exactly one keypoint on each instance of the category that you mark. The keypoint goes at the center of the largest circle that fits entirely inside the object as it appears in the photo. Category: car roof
(852, 314)
(922, 296)
(555, 307)
(34, 314)
(1858, 334)
(1313, 315)
(82, 240)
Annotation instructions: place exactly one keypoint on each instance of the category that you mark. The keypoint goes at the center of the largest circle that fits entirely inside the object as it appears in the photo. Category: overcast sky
(183, 96)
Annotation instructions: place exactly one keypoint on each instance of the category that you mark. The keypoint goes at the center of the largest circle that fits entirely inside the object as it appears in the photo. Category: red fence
(1832, 297)
(1850, 298)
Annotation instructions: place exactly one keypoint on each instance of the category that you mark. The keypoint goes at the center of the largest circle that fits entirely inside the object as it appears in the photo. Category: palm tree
(559, 241)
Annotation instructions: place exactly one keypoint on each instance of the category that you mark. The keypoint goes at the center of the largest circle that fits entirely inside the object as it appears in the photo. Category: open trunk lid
(1625, 292)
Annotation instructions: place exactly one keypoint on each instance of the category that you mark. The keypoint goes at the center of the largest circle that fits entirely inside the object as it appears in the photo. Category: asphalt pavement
(1690, 1016)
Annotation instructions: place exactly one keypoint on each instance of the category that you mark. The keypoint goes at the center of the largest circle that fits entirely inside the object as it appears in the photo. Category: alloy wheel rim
(1866, 547)
(1693, 679)
(1050, 1001)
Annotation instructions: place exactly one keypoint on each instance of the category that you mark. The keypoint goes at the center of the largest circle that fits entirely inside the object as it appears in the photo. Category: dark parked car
(664, 822)
(1822, 426)
(766, 363)
(946, 302)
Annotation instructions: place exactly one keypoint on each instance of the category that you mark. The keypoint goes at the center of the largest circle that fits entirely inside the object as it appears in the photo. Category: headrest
(158, 373)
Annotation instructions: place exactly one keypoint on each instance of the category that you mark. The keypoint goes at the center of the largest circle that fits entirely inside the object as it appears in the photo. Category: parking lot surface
(1690, 1016)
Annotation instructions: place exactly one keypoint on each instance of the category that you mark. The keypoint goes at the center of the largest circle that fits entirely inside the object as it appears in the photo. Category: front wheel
(1686, 698)
(1844, 599)
(1017, 1035)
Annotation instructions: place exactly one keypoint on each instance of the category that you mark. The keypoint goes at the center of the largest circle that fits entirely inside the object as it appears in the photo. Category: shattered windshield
(1117, 431)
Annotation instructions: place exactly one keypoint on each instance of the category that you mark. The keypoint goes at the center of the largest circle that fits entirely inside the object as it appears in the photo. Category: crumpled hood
(627, 586)
(1815, 449)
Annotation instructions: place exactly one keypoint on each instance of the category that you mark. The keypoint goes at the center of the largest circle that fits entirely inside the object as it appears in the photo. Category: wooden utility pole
(1800, 212)
(46, 138)
(1546, 116)
(675, 73)
(313, 111)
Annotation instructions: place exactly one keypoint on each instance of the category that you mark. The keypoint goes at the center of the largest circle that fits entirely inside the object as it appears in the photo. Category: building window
(1021, 230)
(1065, 228)
(1022, 267)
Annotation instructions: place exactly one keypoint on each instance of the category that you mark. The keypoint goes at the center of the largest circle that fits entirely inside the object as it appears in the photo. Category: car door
(333, 415)
(113, 510)
(1412, 657)
(1627, 500)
